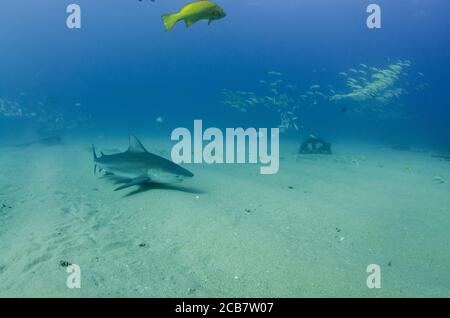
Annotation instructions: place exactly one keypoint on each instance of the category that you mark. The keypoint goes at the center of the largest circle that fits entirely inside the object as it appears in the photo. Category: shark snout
(184, 175)
(188, 174)
(181, 172)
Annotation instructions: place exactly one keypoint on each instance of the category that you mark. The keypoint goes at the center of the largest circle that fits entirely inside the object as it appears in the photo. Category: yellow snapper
(193, 12)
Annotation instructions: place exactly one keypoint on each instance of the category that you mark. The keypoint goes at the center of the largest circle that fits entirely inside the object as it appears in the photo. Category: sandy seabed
(309, 231)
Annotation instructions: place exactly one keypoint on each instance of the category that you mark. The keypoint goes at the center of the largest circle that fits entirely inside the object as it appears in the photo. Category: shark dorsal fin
(135, 145)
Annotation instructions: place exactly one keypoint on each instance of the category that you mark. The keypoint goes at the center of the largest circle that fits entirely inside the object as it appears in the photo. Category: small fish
(438, 179)
(275, 73)
(194, 12)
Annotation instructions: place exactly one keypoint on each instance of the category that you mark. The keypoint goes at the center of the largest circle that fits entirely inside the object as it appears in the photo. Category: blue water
(125, 70)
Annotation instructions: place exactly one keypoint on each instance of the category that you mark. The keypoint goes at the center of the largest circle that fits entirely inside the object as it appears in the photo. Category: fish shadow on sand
(151, 186)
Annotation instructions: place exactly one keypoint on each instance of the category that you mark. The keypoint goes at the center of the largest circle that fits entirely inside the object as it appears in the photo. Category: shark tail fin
(169, 20)
(95, 159)
(94, 153)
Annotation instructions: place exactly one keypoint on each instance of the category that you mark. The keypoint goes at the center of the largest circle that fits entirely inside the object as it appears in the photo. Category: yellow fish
(193, 12)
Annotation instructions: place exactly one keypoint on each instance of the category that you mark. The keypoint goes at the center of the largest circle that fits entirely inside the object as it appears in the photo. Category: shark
(138, 166)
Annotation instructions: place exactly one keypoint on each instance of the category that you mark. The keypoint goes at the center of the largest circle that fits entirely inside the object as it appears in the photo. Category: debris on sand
(191, 291)
(64, 263)
(5, 206)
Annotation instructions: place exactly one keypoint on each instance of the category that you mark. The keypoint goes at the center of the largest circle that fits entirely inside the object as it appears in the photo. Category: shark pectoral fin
(133, 182)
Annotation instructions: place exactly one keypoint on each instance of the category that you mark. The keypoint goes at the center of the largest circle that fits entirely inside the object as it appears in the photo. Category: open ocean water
(357, 132)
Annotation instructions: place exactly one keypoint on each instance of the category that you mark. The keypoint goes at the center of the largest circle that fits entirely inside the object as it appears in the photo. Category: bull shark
(139, 166)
